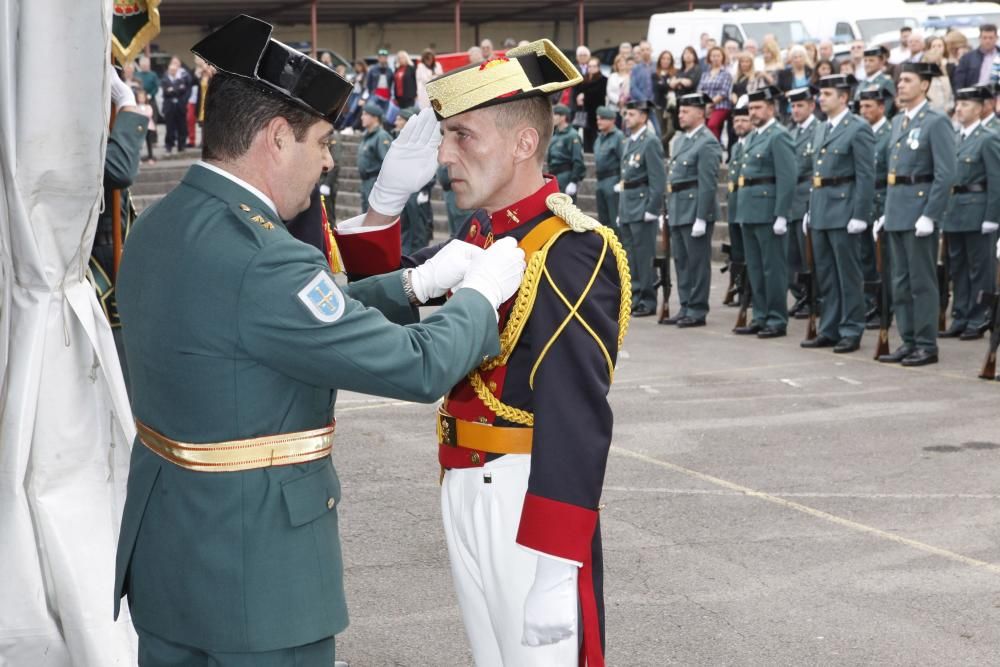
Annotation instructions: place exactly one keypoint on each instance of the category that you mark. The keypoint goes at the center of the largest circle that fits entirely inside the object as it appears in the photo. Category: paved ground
(765, 505)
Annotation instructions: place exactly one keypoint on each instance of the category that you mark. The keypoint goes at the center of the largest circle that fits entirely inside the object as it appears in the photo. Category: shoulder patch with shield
(323, 298)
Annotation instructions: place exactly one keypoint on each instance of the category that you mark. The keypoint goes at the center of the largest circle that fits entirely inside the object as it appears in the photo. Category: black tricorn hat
(767, 93)
(976, 93)
(877, 51)
(802, 94)
(641, 105)
(875, 93)
(926, 71)
(243, 47)
(694, 100)
(838, 81)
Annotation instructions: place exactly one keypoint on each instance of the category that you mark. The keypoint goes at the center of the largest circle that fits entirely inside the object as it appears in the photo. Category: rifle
(943, 270)
(885, 313)
(992, 301)
(661, 264)
(730, 267)
(809, 280)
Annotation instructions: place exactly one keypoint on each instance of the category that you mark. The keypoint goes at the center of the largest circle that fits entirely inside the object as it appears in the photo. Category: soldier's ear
(528, 144)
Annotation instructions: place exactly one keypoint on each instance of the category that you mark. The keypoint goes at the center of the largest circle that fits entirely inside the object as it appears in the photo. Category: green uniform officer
(764, 201)
(872, 102)
(876, 77)
(565, 154)
(805, 134)
(640, 205)
(692, 181)
(456, 216)
(988, 114)
(417, 220)
(240, 338)
(921, 170)
(372, 149)
(608, 149)
(840, 207)
(970, 221)
(329, 183)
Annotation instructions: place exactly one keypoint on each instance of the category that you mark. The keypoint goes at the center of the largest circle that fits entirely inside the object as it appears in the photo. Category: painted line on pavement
(806, 494)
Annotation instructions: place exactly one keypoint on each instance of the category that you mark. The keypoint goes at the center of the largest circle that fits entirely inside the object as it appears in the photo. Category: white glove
(444, 270)
(879, 224)
(409, 164)
(925, 226)
(698, 230)
(497, 273)
(780, 226)
(805, 224)
(990, 227)
(998, 248)
(618, 187)
(121, 93)
(324, 190)
(571, 189)
(550, 608)
(650, 217)
(855, 226)
(423, 197)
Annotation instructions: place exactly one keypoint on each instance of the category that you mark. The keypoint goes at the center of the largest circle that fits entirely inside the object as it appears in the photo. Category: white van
(847, 20)
(945, 15)
(673, 31)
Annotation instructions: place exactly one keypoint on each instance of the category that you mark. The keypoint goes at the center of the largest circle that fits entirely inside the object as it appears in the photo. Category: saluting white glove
(855, 226)
(780, 226)
(409, 164)
(444, 270)
(618, 187)
(550, 608)
(990, 227)
(805, 224)
(571, 189)
(650, 217)
(925, 226)
(122, 94)
(998, 248)
(423, 197)
(324, 190)
(497, 273)
(698, 230)
(877, 228)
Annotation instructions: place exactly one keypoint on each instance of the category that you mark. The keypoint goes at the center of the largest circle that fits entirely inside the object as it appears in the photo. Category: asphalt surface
(764, 505)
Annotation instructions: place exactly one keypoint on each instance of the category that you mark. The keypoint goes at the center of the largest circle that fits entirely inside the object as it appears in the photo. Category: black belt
(803, 179)
(561, 169)
(606, 174)
(819, 182)
(366, 175)
(909, 180)
(880, 183)
(972, 187)
(682, 186)
(631, 185)
(747, 182)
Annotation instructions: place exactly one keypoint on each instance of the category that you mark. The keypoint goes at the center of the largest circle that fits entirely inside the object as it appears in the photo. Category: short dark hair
(534, 111)
(237, 109)
(988, 27)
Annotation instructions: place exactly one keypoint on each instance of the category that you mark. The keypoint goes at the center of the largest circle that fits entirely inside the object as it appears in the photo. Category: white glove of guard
(990, 227)
(444, 270)
(879, 224)
(122, 94)
(324, 190)
(805, 224)
(497, 272)
(571, 189)
(998, 248)
(650, 217)
(618, 187)
(925, 226)
(550, 608)
(409, 164)
(698, 230)
(780, 226)
(423, 197)
(855, 226)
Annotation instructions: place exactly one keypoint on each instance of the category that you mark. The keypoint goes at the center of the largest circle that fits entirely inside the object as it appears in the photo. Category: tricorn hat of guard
(538, 68)
(243, 47)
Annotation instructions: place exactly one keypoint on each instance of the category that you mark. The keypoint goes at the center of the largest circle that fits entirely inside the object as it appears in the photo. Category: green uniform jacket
(978, 164)
(926, 148)
(993, 124)
(332, 177)
(882, 80)
(735, 167)
(847, 151)
(234, 330)
(806, 144)
(767, 154)
(881, 167)
(642, 160)
(608, 150)
(374, 145)
(565, 157)
(695, 159)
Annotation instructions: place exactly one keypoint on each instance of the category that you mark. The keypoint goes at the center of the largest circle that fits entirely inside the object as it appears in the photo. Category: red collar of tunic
(529, 208)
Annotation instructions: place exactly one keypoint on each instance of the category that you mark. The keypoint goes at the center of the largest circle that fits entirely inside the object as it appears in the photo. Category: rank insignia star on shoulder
(262, 221)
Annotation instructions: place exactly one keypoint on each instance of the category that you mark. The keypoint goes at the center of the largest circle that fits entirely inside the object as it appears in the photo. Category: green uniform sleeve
(863, 150)
(354, 347)
(783, 152)
(579, 168)
(656, 172)
(382, 147)
(942, 139)
(708, 179)
(991, 159)
(121, 162)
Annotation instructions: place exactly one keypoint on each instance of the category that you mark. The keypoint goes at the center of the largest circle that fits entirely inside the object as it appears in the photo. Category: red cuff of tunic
(371, 253)
(557, 528)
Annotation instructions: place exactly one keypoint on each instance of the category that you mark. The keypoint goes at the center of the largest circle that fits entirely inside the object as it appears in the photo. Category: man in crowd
(378, 83)
(902, 51)
(737, 252)
(565, 153)
(486, 48)
(970, 221)
(176, 84)
(916, 45)
(875, 75)
(608, 149)
(825, 50)
(988, 114)
(921, 171)
(640, 206)
(975, 68)
(372, 149)
(150, 82)
(766, 188)
(857, 58)
(806, 141)
(693, 181)
(641, 80)
(843, 185)
(873, 101)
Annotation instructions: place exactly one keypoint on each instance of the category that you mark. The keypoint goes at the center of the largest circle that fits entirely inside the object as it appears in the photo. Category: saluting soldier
(764, 200)
(372, 149)
(692, 182)
(876, 76)
(456, 216)
(240, 338)
(417, 219)
(565, 155)
(988, 114)
(840, 205)
(644, 180)
(970, 221)
(921, 171)
(806, 136)
(741, 127)
(608, 149)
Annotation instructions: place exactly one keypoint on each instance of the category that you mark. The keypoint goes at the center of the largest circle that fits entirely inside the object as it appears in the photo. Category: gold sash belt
(484, 437)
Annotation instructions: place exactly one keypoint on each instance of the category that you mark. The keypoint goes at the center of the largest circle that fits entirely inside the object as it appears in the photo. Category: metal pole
(354, 41)
(476, 36)
(581, 36)
(312, 18)
(458, 25)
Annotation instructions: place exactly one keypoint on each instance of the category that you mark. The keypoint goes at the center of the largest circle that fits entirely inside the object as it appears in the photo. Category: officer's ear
(277, 134)
(528, 144)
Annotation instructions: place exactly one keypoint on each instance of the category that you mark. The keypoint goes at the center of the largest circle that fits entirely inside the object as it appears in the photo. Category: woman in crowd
(687, 78)
(823, 68)
(351, 117)
(665, 97)
(404, 81)
(798, 73)
(427, 69)
(772, 58)
(619, 80)
(591, 94)
(717, 83)
(812, 54)
(939, 95)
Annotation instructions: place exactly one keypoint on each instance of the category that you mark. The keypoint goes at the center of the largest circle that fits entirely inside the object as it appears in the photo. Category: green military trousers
(607, 202)
(693, 261)
(972, 264)
(155, 651)
(736, 243)
(767, 269)
(416, 225)
(869, 272)
(639, 239)
(796, 258)
(837, 257)
(915, 288)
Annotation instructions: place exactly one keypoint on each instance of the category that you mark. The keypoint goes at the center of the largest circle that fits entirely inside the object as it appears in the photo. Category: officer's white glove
(998, 248)
(618, 187)
(855, 226)
(805, 224)
(444, 270)
(698, 230)
(618, 220)
(780, 226)
(650, 217)
(877, 228)
(550, 608)
(121, 93)
(409, 164)
(497, 273)
(571, 189)
(990, 227)
(925, 226)
(423, 197)
(324, 190)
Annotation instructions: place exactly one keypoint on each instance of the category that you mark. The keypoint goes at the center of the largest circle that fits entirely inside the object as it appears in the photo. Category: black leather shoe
(971, 334)
(849, 344)
(642, 311)
(672, 320)
(818, 341)
(873, 325)
(897, 356)
(953, 331)
(689, 322)
(749, 330)
(771, 332)
(921, 358)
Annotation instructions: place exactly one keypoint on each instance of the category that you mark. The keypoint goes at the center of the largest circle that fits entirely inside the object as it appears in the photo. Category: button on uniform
(330, 502)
